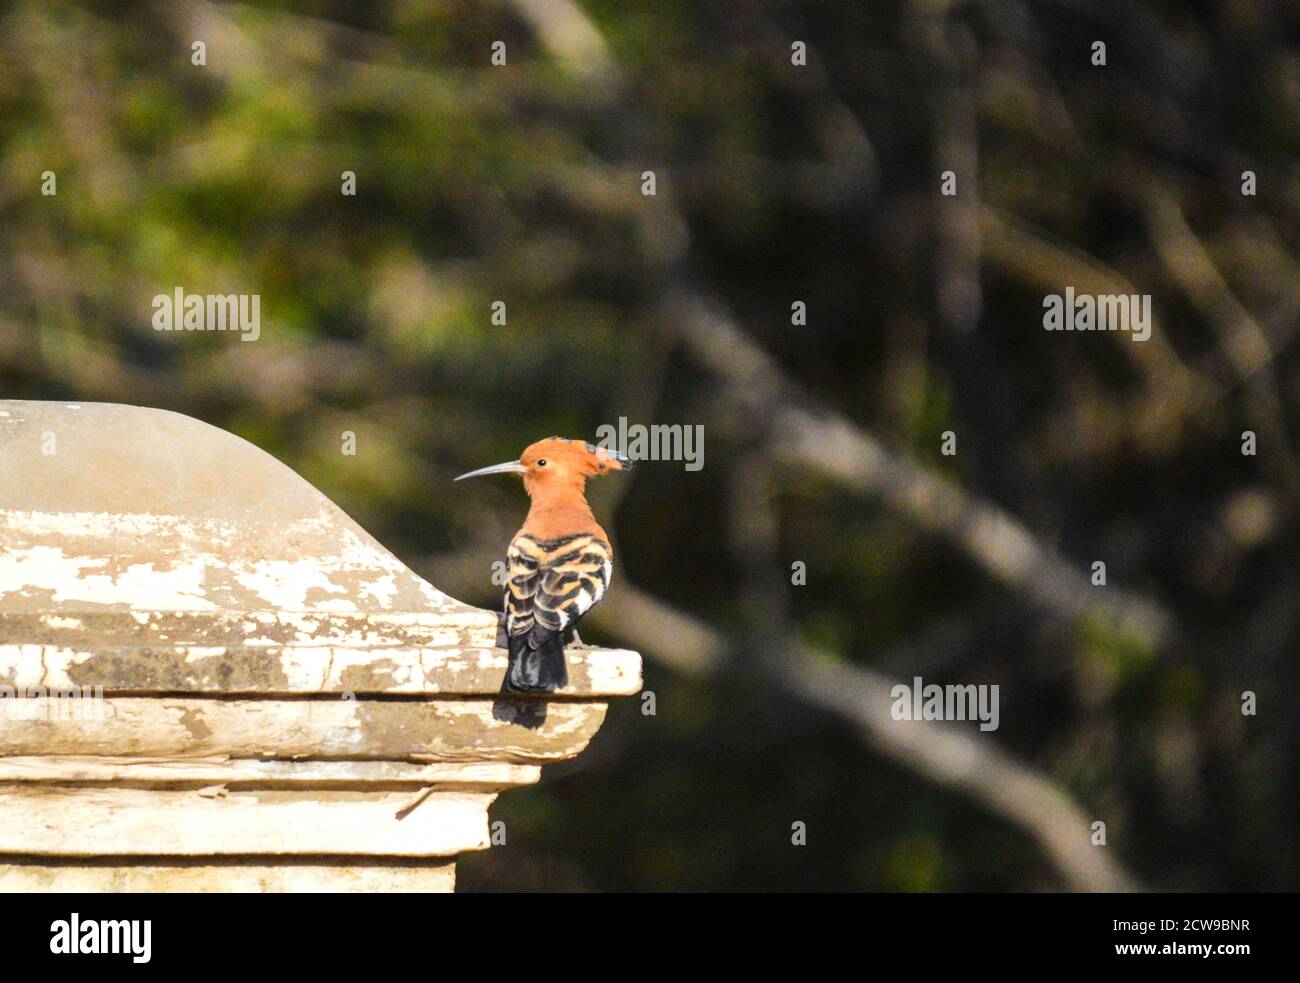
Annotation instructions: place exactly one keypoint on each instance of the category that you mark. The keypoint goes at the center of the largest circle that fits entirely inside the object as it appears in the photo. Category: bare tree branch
(969, 765)
(1239, 336)
(827, 443)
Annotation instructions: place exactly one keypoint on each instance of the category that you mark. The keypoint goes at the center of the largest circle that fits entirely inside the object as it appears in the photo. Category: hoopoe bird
(560, 562)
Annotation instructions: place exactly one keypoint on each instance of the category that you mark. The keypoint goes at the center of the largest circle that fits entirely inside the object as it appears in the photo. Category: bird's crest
(576, 456)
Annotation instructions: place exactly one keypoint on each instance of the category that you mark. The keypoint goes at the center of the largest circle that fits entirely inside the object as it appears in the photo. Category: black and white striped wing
(553, 583)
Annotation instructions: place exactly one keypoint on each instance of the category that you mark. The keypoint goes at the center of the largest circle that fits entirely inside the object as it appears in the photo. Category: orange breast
(554, 522)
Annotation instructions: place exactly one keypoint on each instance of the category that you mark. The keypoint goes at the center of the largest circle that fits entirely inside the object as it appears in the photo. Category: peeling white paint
(382, 590)
(47, 568)
(41, 665)
(76, 555)
(286, 583)
(302, 668)
(89, 525)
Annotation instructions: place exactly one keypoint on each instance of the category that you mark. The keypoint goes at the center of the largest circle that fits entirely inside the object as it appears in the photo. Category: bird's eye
(541, 463)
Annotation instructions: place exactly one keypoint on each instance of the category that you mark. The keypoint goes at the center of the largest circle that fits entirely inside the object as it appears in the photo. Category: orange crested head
(556, 463)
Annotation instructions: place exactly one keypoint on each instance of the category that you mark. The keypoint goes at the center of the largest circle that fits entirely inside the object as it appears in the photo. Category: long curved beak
(509, 467)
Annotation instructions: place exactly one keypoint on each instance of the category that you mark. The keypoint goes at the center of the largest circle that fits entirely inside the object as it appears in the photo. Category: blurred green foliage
(522, 183)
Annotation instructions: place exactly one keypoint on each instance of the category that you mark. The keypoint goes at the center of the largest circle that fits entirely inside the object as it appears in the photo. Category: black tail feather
(536, 670)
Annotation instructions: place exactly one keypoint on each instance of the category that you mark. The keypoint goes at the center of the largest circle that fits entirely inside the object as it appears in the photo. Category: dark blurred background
(776, 183)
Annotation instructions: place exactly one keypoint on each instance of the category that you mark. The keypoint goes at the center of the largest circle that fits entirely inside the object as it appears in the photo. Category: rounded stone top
(110, 507)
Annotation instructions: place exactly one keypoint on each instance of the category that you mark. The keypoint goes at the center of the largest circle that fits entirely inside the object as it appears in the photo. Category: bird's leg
(571, 638)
